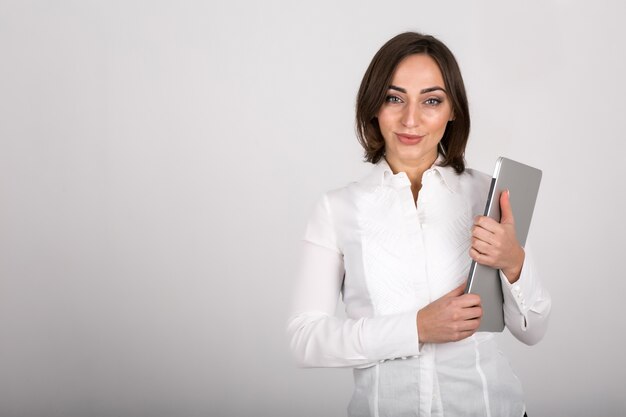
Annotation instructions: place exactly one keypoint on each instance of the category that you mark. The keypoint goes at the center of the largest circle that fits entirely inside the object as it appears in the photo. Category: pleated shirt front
(389, 256)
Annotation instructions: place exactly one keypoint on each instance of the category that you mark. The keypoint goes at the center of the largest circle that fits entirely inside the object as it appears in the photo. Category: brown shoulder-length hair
(376, 82)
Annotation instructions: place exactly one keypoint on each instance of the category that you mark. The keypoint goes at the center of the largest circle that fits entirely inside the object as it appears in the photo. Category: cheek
(385, 120)
(437, 120)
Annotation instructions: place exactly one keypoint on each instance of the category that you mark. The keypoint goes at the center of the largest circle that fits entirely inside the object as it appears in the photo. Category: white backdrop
(158, 161)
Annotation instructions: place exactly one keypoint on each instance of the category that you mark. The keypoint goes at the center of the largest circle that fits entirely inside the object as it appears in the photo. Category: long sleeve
(320, 339)
(527, 304)
(386, 257)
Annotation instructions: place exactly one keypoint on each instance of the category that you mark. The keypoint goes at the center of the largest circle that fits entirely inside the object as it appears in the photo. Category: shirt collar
(381, 174)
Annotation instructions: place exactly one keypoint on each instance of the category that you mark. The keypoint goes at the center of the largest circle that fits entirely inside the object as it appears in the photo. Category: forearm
(527, 305)
(319, 339)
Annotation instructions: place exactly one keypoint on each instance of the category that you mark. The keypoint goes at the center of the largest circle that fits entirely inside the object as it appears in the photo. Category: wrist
(514, 272)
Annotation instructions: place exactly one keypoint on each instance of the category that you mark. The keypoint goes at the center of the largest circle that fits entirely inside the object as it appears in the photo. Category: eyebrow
(424, 91)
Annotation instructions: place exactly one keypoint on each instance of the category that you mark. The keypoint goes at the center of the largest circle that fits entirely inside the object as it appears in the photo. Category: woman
(398, 244)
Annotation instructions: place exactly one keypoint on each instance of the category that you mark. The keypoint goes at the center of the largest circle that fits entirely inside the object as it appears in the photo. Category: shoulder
(470, 181)
(337, 199)
(340, 205)
(474, 178)
(475, 185)
(352, 191)
(331, 199)
(332, 216)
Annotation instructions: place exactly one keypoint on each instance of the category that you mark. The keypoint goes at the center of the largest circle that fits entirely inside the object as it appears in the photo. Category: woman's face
(416, 110)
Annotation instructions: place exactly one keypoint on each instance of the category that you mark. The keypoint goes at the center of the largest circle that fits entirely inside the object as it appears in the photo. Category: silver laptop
(523, 182)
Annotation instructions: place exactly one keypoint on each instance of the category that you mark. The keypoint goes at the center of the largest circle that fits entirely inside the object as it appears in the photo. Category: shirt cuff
(391, 337)
(522, 295)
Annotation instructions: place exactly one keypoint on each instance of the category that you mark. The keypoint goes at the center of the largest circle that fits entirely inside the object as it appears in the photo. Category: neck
(414, 169)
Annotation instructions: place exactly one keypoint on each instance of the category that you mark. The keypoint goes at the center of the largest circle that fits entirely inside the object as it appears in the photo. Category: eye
(392, 99)
(433, 101)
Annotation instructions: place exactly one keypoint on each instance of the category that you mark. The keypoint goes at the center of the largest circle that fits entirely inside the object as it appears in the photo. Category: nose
(411, 115)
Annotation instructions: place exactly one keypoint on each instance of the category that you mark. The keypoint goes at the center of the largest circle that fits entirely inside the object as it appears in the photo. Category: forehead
(418, 70)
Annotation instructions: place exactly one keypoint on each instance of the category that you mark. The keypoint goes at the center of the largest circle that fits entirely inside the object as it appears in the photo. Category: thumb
(506, 211)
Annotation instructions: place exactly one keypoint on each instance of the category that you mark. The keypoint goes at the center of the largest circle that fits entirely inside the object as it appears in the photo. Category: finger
(481, 258)
(505, 208)
(468, 301)
(474, 254)
(467, 313)
(486, 223)
(466, 334)
(472, 313)
(481, 247)
(468, 325)
(483, 234)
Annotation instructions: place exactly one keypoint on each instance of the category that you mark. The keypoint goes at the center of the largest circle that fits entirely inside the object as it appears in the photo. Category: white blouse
(388, 258)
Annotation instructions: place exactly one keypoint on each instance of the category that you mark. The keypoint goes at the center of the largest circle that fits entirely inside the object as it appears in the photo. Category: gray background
(158, 161)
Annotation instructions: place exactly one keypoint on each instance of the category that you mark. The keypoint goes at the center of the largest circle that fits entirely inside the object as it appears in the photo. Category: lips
(409, 139)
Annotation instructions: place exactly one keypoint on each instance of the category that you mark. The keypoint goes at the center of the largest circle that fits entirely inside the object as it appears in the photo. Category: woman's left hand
(495, 245)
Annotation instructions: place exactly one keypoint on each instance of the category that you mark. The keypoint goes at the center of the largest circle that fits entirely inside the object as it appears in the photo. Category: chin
(413, 156)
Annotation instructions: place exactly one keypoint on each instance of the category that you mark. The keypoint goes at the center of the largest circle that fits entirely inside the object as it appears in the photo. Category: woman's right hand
(451, 318)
